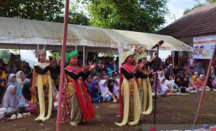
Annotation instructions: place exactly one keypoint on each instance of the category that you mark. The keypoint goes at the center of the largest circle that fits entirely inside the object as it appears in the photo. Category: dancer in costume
(129, 94)
(144, 84)
(76, 103)
(42, 86)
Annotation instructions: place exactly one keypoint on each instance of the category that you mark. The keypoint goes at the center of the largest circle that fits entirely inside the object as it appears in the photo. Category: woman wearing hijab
(12, 81)
(10, 101)
(20, 76)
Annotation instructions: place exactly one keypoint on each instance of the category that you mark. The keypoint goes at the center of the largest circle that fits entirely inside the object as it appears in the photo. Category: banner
(204, 47)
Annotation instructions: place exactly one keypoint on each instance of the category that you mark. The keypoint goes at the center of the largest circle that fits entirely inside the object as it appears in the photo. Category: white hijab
(163, 85)
(159, 77)
(19, 78)
(116, 87)
(104, 89)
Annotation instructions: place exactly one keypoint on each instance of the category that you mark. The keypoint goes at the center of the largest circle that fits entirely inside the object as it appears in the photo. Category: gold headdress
(126, 54)
(39, 52)
(142, 53)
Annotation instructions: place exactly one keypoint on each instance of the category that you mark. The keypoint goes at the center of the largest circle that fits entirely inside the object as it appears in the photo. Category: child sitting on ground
(185, 85)
(195, 82)
(116, 88)
(172, 85)
(202, 79)
(95, 92)
(164, 88)
(107, 95)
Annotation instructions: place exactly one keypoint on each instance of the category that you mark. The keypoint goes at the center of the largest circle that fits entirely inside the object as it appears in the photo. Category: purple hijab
(9, 100)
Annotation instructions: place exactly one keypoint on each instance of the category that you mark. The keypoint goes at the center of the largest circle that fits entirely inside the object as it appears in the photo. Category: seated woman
(107, 95)
(95, 93)
(30, 107)
(20, 77)
(10, 102)
(12, 81)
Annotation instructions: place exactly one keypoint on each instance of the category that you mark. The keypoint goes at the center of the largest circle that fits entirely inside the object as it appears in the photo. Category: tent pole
(203, 90)
(173, 58)
(84, 55)
(38, 47)
(62, 62)
(19, 49)
(120, 51)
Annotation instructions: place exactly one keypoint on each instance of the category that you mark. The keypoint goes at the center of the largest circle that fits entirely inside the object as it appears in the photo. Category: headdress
(71, 54)
(126, 54)
(39, 52)
(142, 53)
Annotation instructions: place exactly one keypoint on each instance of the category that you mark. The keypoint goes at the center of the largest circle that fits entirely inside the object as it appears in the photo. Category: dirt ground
(170, 110)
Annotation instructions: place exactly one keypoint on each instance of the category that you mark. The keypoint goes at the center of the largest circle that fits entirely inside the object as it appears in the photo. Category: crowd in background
(103, 83)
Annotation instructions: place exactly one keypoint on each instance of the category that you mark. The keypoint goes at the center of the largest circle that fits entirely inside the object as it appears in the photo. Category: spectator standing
(155, 62)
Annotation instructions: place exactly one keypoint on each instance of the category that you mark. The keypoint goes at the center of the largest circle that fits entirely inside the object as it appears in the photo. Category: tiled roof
(199, 21)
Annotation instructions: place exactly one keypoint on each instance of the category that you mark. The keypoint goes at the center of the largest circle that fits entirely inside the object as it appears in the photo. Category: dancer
(129, 94)
(144, 84)
(42, 86)
(76, 103)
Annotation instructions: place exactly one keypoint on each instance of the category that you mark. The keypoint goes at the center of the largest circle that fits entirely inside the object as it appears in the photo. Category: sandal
(4, 119)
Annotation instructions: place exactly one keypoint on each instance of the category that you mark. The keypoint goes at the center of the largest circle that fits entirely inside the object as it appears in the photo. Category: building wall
(185, 55)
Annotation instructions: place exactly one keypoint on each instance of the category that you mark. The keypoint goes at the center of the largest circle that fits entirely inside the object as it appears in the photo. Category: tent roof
(28, 33)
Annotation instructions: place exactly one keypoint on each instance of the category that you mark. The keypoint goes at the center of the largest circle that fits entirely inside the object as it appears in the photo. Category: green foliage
(56, 55)
(210, 1)
(133, 15)
(5, 55)
(78, 18)
(196, 6)
(46, 10)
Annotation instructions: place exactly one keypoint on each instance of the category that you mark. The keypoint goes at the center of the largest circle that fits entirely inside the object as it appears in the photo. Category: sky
(176, 8)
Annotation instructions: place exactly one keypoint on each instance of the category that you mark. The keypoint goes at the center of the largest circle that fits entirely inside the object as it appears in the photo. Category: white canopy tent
(28, 34)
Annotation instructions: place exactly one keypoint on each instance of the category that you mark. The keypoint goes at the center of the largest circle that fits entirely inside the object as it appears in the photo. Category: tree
(133, 15)
(5, 55)
(46, 10)
(198, 4)
(210, 1)
(75, 17)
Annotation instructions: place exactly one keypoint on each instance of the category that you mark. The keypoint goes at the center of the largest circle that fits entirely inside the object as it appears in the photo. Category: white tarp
(31, 32)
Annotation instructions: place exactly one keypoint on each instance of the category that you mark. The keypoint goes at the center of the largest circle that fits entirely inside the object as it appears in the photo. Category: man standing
(155, 62)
